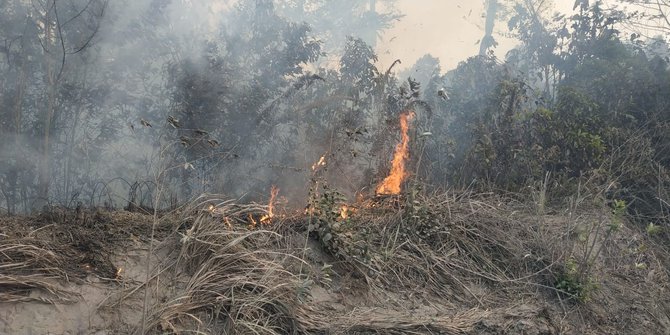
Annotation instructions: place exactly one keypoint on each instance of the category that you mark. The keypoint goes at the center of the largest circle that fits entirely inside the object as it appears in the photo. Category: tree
(488, 41)
(235, 93)
(424, 70)
(537, 56)
(645, 17)
(65, 30)
(17, 67)
(334, 21)
(40, 40)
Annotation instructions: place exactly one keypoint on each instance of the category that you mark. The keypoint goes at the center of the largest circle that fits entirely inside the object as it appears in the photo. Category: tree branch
(62, 40)
(79, 13)
(95, 29)
(660, 10)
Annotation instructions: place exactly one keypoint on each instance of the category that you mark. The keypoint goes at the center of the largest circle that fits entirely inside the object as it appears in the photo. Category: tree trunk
(487, 40)
(44, 173)
(19, 161)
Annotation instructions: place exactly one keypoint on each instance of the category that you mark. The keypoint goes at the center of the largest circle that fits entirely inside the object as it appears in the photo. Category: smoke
(231, 71)
(189, 97)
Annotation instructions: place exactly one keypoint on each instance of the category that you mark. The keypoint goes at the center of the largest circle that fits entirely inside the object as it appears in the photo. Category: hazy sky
(447, 29)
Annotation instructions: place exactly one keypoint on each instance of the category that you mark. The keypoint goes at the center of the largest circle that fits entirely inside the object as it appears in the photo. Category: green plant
(325, 210)
(653, 229)
(576, 279)
(422, 223)
(338, 235)
(324, 275)
(573, 284)
(618, 212)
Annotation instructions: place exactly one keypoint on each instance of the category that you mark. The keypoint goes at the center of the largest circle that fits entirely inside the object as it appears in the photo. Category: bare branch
(79, 13)
(62, 40)
(98, 22)
(660, 10)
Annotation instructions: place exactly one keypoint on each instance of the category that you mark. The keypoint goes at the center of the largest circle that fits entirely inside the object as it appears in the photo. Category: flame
(346, 211)
(391, 184)
(252, 222)
(266, 219)
(320, 163)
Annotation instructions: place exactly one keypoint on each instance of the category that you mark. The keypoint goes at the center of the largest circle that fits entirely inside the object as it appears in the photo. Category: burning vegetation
(393, 182)
(266, 219)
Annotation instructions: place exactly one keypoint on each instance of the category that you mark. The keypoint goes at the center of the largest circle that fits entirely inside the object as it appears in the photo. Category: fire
(344, 212)
(391, 184)
(252, 222)
(266, 219)
(320, 163)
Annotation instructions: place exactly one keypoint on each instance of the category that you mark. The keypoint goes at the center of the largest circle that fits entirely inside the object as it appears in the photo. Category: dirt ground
(85, 272)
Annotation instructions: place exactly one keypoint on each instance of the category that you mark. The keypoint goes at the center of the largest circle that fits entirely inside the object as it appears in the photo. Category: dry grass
(373, 322)
(236, 285)
(240, 282)
(471, 257)
(38, 254)
(448, 246)
(25, 265)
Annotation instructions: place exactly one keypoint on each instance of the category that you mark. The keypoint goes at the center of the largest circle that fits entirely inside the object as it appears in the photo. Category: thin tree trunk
(19, 162)
(71, 139)
(487, 41)
(44, 177)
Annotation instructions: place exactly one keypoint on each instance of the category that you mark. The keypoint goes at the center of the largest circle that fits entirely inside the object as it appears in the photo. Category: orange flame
(344, 212)
(391, 184)
(266, 219)
(252, 222)
(320, 163)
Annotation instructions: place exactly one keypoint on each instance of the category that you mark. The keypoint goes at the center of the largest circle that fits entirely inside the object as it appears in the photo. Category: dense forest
(105, 102)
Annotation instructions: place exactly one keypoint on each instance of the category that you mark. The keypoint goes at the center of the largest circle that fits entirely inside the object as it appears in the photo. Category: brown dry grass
(39, 253)
(439, 264)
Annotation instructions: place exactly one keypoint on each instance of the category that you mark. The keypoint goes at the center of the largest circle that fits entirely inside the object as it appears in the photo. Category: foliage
(577, 276)
(573, 102)
(338, 235)
(570, 284)
(246, 101)
(337, 21)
